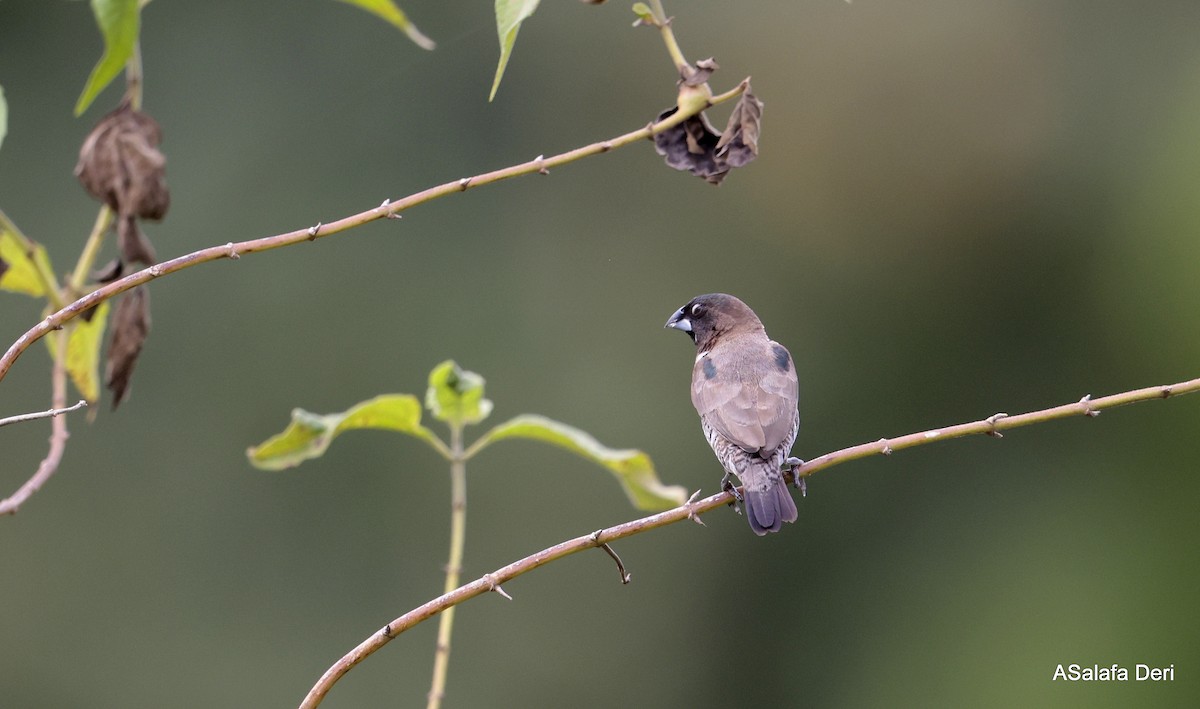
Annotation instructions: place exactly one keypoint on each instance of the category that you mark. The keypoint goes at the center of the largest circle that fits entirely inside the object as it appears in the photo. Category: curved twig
(58, 431)
(389, 209)
(693, 508)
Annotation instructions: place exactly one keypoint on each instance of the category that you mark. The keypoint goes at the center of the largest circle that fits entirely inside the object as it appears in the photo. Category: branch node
(991, 421)
(495, 587)
(620, 567)
(540, 161)
(1167, 391)
(607, 146)
(387, 212)
(1087, 406)
(155, 270)
(464, 183)
(386, 631)
(314, 230)
(887, 448)
(232, 252)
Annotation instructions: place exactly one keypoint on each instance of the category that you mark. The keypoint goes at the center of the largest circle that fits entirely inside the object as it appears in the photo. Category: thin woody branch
(992, 425)
(389, 209)
(58, 431)
(49, 413)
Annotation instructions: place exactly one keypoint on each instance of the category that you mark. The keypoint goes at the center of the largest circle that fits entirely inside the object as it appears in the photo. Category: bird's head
(708, 317)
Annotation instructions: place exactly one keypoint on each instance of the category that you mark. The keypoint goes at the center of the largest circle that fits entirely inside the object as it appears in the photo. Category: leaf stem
(91, 249)
(133, 77)
(458, 528)
(668, 35)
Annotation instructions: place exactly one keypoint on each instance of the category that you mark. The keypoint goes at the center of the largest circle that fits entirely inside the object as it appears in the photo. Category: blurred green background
(958, 209)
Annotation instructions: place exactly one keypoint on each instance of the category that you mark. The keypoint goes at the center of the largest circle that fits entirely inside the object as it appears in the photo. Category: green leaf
(83, 352)
(509, 16)
(633, 468)
(118, 21)
(3, 116)
(393, 14)
(309, 434)
(20, 260)
(456, 395)
(644, 13)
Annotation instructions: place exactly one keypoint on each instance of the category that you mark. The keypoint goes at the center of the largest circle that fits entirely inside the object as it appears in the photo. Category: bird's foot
(792, 465)
(728, 486)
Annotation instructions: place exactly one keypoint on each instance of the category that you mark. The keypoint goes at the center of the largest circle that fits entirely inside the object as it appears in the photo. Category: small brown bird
(744, 387)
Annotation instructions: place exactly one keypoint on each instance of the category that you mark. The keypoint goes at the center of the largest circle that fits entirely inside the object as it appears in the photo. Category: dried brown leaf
(739, 143)
(698, 75)
(132, 242)
(697, 147)
(691, 146)
(130, 326)
(109, 272)
(120, 165)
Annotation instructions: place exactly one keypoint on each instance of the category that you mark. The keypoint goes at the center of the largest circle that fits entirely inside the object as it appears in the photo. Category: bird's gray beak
(679, 322)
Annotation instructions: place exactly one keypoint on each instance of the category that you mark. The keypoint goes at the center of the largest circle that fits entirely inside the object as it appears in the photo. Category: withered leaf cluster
(130, 326)
(697, 147)
(120, 165)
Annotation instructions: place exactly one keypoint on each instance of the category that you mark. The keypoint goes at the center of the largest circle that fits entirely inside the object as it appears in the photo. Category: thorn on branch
(991, 421)
(313, 230)
(464, 183)
(232, 252)
(386, 631)
(1087, 406)
(691, 512)
(1167, 391)
(541, 165)
(620, 567)
(495, 587)
(887, 448)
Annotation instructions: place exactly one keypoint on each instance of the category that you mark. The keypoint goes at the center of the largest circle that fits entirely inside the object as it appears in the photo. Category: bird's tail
(769, 506)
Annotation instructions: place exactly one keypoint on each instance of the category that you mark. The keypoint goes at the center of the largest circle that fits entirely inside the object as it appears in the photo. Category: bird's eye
(696, 310)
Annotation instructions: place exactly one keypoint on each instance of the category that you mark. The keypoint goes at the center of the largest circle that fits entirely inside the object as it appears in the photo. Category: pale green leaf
(83, 352)
(309, 434)
(3, 116)
(118, 21)
(633, 468)
(509, 16)
(20, 260)
(389, 11)
(644, 13)
(456, 395)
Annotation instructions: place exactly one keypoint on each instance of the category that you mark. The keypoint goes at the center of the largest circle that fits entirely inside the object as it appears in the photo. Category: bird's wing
(779, 395)
(751, 400)
(730, 408)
